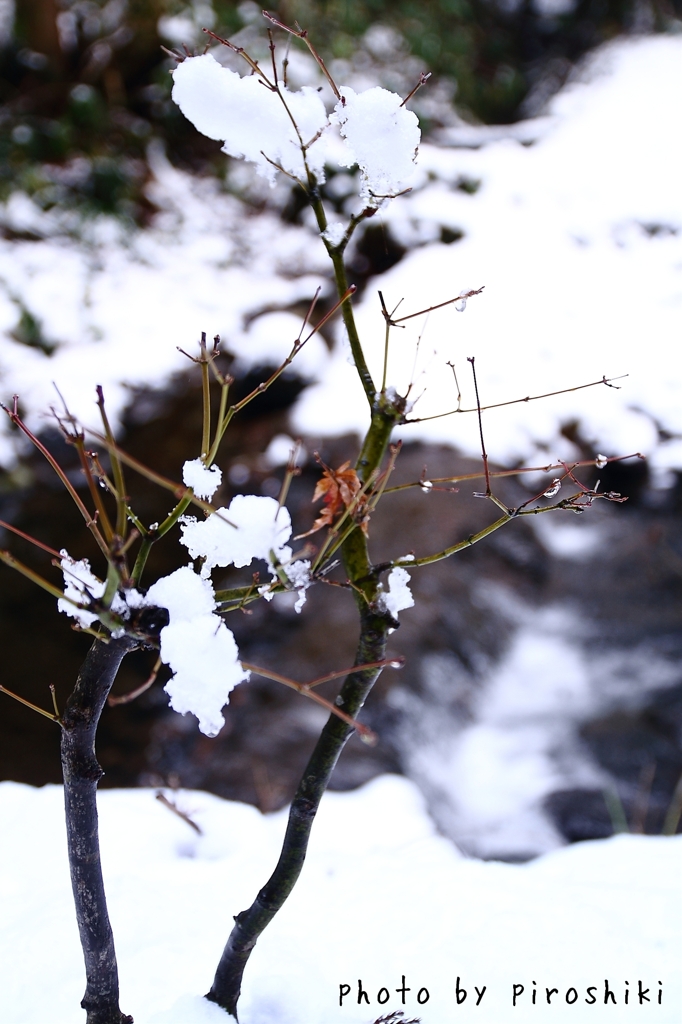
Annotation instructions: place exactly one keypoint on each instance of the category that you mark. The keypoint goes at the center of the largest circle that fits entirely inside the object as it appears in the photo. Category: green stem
(35, 577)
(220, 430)
(160, 531)
(384, 419)
(466, 543)
(351, 328)
(113, 582)
(336, 256)
(141, 560)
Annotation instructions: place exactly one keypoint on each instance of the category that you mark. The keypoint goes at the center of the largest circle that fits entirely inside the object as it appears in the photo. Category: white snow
(198, 646)
(81, 586)
(184, 593)
(204, 480)
(334, 232)
(203, 655)
(269, 127)
(196, 643)
(251, 120)
(398, 596)
(381, 895)
(298, 574)
(382, 137)
(250, 527)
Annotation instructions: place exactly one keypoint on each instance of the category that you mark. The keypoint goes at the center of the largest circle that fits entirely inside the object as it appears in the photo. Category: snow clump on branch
(250, 527)
(198, 647)
(249, 119)
(196, 644)
(270, 128)
(81, 586)
(203, 480)
(398, 596)
(382, 138)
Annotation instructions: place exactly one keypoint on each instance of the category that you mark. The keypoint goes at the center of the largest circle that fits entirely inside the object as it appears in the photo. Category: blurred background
(541, 702)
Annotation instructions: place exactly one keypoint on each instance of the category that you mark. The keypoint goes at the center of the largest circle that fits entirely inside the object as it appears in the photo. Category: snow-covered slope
(382, 896)
(577, 239)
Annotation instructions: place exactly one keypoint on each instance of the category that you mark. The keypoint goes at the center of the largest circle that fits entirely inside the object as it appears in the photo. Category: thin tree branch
(505, 472)
(484, 454)
(119, 479)
(516, 401)
(90, 521)
(305, 689)
(303, 34)
(448, 302)
(29, 704)
(126, 698)
(31, 540)
(242, 53)
(423, 79)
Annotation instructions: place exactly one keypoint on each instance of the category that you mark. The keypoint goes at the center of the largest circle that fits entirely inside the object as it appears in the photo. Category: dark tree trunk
(81, 775)
(250, 923)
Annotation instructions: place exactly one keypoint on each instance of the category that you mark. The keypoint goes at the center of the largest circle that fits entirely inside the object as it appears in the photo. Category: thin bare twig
(119, 479)
(398, 662)
(517, 401)
(365, 734)
(423, 79)
(291, 471)
(460, 478)
(29, 704)
(163, 799)
(178, 490)
(126, 698)
(242, 53)
(280, 168)
(311, 310)
(90, 521)
(271, 47)
(303, 34)
(484, 454)
(31, 540)
(459, 390)
(448, 302)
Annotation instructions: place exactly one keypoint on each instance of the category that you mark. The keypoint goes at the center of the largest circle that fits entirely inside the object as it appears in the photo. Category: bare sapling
(182, 616)
(384, 157)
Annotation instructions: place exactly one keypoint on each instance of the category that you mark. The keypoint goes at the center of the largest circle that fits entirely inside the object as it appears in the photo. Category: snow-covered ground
(577, 239)
(382, 896)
